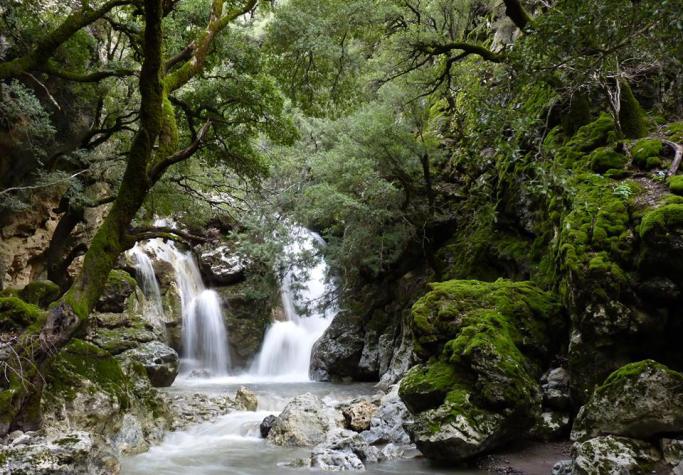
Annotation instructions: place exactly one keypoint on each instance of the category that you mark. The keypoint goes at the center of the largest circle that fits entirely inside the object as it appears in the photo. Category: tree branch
(435, 49)
(46, 46)
(160, 167)
(87, 77)
(145, 233)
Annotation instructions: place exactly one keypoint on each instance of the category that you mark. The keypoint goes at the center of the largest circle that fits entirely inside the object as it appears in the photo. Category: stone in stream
(358, 414)
(266, 425)
(304, 422)
(386, 425)
(246, 399)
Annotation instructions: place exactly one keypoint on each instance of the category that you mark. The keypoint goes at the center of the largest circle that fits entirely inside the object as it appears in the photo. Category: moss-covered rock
(16, 314)
(484, 343)
(676, 185)
(674, 131)
(120, 285)
(40, 292)
(646, 153)
(606, 158)
(642, 400)
(610, 454)
(598, 133)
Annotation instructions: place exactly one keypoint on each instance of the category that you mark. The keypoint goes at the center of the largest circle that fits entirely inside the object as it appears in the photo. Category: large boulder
(614, 455)
(337, 353)
(159, 360)
(484, 344)
(304, 422)
(642, 400)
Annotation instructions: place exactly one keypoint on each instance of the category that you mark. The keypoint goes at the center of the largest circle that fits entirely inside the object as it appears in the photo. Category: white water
(153, 308)
(204, 336)
(286, 351)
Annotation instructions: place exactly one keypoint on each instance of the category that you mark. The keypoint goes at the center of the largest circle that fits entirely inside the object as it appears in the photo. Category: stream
(232, 443)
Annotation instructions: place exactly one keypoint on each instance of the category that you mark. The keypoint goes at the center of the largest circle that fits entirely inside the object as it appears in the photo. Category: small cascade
(286, 351)
(204, 336)
(153, 308)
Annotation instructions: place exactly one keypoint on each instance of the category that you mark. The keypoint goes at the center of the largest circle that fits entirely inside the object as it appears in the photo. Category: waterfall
(153, 310)
(204, 336)
(286, 350)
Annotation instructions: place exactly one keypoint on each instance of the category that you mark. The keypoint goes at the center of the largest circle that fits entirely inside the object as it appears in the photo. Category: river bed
(231, 445)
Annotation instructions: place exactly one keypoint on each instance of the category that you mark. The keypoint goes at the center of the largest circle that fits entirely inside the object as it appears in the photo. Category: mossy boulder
(661, 234)
(40, 292)
(606, 158)
(16, 314)
(484, 345)
(676, 185)
(598, 133)
(642, 400)
(646, 153)
(674, 131)
(120, 285)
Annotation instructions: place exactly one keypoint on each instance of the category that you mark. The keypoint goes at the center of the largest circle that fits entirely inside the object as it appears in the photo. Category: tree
(154, 148)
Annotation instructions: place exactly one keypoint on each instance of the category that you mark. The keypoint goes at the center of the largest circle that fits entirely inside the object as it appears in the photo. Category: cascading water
(204, 336)
(286, 351)
(153, 308)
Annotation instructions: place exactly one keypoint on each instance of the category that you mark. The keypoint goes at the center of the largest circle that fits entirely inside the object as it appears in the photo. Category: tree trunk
(19, 398)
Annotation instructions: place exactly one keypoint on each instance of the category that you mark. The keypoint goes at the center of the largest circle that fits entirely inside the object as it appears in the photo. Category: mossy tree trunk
(18, 400)
(20, 396)
(631, 115)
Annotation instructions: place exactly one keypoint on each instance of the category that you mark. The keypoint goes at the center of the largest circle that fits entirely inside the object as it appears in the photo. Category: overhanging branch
(159, 168)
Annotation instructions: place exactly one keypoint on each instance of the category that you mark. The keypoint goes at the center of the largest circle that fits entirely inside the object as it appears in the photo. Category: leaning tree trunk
(18, 397)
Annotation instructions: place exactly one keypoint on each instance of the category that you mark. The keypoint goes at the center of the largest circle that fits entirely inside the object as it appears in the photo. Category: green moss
(660, 220)
(674, 131)
(606, 158)
(40, 292)
(631, 116)
(598, 133)
(82, 360)
(118, 277)
(15, 314)
(425, 387)
(646, 153)
(676, 185)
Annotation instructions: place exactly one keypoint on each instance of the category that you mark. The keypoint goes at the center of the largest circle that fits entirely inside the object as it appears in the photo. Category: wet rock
(159, 360)
(563, 467)
(266, 425)
(336, 354)
(640, 400)
(555, 386)
(358, 414)
(193, 408)
(219, 265)
(72, 453)
(613, 455)
(304, 422)
(116, 340)
(386, 426)
(246, 399)
(130, 438)
(120, 285)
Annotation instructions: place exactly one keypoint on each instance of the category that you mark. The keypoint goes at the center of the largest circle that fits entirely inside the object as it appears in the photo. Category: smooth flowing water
(286, 351)
(153, 308)
(204, 336)
(231, 445)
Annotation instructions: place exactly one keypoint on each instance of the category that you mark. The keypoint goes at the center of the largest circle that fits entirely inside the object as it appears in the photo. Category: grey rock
(555, 386)
(304, 422)
(613, 455)
(386, 426)
(266, 425)
(672, 449)
(552, 425)
(246, 399)
(160, 361)
(336, 354)
(120, 285)
(72, 453)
